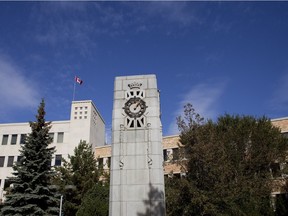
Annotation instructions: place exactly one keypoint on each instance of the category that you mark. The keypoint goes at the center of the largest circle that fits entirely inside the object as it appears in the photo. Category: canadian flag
(78, 80)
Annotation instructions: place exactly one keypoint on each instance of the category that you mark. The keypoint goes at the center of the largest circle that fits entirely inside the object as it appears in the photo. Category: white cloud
(81, 29)
(177, 12)
(204, 97)
(16, 90)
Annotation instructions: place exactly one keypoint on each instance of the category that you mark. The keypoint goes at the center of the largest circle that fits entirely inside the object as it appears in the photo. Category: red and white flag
(78, 80)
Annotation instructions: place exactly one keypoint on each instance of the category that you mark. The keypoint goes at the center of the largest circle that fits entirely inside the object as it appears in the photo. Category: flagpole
(74, 90)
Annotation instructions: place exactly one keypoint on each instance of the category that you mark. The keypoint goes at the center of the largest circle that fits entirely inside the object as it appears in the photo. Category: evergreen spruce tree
(31, 192)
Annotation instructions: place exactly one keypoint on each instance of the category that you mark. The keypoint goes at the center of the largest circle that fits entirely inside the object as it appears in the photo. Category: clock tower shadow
(155, 205)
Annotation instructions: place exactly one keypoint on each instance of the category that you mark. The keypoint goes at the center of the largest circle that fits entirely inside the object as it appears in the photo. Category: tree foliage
(77, 177)
(95, 202)
(178, 195)
(229, 163)
(31, 192)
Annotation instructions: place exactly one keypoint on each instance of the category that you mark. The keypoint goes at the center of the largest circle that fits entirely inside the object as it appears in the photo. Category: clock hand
(138, 103)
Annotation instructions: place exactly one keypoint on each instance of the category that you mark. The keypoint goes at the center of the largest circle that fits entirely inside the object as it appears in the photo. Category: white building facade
(85, 123)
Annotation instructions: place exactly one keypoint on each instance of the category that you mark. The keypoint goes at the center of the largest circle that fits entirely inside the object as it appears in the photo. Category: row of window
(168, 155)
(10, 160)
(80, 117)
(14, 138)
(94, 117)
(80, 113)
(80, 108)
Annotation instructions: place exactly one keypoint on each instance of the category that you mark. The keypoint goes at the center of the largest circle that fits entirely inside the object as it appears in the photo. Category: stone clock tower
(137, 179)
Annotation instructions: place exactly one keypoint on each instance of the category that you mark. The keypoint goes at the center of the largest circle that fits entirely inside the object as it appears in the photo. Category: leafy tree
(76, 177)
(95, 202)
(229, 163)
(31, 192)
(178, 196)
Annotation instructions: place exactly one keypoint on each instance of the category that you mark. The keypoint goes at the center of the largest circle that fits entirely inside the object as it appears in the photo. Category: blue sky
(223, 57)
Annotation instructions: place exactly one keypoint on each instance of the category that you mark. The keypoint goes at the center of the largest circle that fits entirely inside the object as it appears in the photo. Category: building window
(76, 108)
(80, 108)
(14, 139)
(60, 137)
(75, 117)
(86, 107)
(85, 117)
(51, 135)
(19, 158)
(75, 113)
(176, 154)
(58, 159)
(85, 112)
(109, 162)
(2, 158)
(5, 139)
(80, 113)
(80, 117)
(165, 155)
(7, 183)
(10, 161)
(23, 138)
(100, 162)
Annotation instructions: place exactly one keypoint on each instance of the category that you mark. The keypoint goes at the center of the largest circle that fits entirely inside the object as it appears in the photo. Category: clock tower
(137, 179)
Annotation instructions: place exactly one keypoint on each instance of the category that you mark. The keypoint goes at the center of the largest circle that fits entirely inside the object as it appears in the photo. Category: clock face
(135, 107)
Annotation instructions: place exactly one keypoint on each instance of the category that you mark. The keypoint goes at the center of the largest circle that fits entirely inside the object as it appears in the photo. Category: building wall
(85, 123)
(281, 123)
